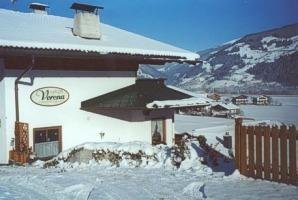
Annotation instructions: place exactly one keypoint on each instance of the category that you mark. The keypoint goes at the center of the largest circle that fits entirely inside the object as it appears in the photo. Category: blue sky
(190, 24)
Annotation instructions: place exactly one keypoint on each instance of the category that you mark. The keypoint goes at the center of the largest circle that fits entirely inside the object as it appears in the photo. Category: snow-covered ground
(154, 181)
(287, 113)
(212, 128)
(120, 183)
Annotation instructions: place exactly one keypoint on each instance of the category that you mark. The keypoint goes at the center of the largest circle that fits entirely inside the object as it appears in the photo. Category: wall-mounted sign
(49, 96)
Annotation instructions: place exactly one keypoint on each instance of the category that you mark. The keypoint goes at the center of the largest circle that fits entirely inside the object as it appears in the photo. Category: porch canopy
(132, 100)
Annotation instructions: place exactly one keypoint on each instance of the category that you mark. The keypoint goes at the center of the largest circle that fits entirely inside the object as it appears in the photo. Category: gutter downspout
(16, 88)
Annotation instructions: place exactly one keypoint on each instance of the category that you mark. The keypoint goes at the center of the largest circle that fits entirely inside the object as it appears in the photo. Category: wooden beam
(82, 64)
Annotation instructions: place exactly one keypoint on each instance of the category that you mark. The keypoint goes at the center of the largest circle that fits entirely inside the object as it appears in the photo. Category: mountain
(264, 62)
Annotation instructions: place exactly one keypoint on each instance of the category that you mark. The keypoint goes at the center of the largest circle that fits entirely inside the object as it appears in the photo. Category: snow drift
(189, 157)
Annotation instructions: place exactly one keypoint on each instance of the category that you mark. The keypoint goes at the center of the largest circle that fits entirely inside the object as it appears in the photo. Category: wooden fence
(265, 152)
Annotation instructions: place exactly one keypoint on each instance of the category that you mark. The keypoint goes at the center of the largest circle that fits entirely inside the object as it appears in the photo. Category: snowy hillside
(260, 62)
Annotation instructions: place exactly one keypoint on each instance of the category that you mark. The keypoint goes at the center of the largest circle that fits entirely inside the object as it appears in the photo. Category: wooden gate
(265, 152)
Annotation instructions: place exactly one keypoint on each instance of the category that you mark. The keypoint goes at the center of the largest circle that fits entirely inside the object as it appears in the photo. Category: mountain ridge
(263, 62)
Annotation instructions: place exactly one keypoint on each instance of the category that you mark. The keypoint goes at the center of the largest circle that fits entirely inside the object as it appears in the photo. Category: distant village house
(192, 107)
(239, 100)
(224, 110)
(260, 100)
(214, 96)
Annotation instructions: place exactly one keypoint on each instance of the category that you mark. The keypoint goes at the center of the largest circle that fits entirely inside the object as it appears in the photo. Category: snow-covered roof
(194, 101)
(261, 96)
(228, 106)
(39, 4)
(240, 97)
(202, 95)
(29, 30)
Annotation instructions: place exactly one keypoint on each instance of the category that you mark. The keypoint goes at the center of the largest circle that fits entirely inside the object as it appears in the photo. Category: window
(158, 131)
(47, 141)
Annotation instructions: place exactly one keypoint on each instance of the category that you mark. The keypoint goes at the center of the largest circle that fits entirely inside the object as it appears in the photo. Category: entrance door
(47, 141)
(158, 131)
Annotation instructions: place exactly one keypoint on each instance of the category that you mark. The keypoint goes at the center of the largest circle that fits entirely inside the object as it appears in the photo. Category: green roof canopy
(135, 96)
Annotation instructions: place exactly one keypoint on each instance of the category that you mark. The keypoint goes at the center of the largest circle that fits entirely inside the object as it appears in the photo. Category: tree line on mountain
(284, 70)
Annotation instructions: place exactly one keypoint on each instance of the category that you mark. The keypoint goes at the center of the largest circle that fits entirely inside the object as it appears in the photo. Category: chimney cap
(85, 7)
(38, 6)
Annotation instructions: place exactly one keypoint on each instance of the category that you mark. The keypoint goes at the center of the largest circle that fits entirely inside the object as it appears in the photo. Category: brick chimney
(86, 21)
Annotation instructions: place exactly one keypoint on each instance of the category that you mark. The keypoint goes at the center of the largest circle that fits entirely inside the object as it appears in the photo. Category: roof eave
(142, 59)
(91, 109)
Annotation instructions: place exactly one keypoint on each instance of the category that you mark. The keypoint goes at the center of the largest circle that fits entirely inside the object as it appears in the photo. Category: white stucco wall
(3, 138)
(78, 126)
(170, 134)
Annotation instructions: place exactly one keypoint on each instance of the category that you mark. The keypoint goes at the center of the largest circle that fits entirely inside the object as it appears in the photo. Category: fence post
(243, 151)
(275, 154)
(259, 150)
(238, 124)
(292, 156)
(267, 153)
(251, 151)
(283, 154)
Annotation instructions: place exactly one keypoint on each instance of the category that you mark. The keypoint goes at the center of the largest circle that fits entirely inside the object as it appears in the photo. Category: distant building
(260, 100)
(214, 96)
(242, 99)
(224, 110)
(192, 108)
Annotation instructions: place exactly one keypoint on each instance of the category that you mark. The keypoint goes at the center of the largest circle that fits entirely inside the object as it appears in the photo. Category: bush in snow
(56, 161)
(187, 156)
(111, 156)
(134, 154)
(115, 158)
(179, 153)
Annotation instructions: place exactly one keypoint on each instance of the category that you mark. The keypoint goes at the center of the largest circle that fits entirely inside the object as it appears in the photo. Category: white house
(72, 83)
(238, 100)
(260, 100)
(224, 110)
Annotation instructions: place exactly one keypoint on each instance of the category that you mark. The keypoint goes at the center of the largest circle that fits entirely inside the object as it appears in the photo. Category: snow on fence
(267, 152)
